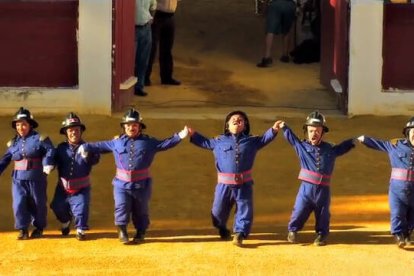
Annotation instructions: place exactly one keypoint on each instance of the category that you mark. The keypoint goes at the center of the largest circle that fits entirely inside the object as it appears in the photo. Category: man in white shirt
(163, 32)
(143, 40)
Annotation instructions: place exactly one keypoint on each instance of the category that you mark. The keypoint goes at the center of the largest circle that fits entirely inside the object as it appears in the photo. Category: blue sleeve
(100, 147)
(377, 144)
(168, 143)
(290, 136)
(93, 158)
(266, 138)
(5, 161)
(343, 147)
(50, 152)
(202, 142)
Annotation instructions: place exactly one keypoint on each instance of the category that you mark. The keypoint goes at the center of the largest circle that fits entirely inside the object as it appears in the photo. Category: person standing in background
(280, 17)
(144, 9)
(163, 33)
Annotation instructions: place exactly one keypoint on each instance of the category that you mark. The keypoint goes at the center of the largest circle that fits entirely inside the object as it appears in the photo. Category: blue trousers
(225, 197)
(401, 201)
(29, 203)
(66, 206)
(143, 42)
(133, 203)
(311, 198)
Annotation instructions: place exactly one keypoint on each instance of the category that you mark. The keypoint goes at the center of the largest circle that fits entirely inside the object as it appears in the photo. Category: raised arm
(375, 144)
(201, 141)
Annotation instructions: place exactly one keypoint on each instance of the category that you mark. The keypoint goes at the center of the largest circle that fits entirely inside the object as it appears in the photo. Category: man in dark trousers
(163, 32)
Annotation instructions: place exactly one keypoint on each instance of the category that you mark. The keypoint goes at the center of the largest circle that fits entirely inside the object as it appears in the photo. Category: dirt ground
(181, 240)
(217, 47)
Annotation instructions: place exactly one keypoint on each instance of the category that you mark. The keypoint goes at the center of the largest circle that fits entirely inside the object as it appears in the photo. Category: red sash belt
(75, 184)
(132, 176)
(235, 178)
(314, 177)
(402, 174)
(28, 164)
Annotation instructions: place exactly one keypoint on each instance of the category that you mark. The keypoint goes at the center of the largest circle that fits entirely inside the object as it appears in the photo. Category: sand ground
(217, 47)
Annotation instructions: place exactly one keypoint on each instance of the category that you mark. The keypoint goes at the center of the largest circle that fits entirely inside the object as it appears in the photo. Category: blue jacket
(400, 153)
(37, 150)
(319, 158)
(71, 165)
(234, 154)
(133, 154)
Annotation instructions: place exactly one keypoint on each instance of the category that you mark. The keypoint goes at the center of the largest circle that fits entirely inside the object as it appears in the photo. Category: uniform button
(70, 174)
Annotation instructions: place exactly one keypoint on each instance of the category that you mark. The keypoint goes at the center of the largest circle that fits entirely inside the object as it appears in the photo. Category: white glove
(361, 138)
(47, 169)
(82, 152)
(183, 133)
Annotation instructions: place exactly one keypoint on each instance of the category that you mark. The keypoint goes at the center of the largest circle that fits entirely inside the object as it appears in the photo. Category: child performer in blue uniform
(32, 155)
(401, 188)
(72, 193)
(234, 153)
(317, 161)
(134, 153)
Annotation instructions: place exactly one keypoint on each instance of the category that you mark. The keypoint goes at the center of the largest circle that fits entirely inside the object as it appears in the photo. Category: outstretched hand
(278, 125)
(82, 152)
(183, 133)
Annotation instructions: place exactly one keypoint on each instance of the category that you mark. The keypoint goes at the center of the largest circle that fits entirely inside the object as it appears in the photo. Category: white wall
(93, 94)
(365, 65)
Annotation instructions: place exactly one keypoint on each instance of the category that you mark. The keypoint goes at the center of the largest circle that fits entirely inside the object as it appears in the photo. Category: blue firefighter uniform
(317, 163)
(132, 182)
(72, 193)
(234, 157)
(401, 189)
(30, 154)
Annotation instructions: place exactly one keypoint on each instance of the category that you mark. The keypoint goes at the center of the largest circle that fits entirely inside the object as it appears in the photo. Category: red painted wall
(38, 46)
(123, 51)
(398, 47)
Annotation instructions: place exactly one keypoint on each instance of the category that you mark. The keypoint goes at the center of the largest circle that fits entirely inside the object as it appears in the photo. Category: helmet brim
(63, 129)
(31, 122)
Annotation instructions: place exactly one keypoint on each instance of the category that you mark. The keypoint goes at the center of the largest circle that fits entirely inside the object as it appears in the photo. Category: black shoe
(65, 230)
(265, 62)
(123, 234)
(139, 236)
(171, 82)
(80, 236)
(238, 239)
(284, 59)
(140, 93)
(292, 237)
(147, 82)
(320, 240)
(224, 233)
(400, 240)
(23, 234)
(407, 239)
(36, 233)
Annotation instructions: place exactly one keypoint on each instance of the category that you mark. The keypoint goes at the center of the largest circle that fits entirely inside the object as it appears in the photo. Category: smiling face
(314, 134)
(132, 130)
(74, 134)
(236, 124)
(23, 128)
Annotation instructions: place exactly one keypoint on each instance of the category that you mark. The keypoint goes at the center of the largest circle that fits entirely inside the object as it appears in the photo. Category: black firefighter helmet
(132, 116)
(24, 114)
(408, 126)
(71, 120)
(246, 130)
(316, 119)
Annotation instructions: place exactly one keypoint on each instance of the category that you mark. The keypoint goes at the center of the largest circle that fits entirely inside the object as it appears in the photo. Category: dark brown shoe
(23, 234)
